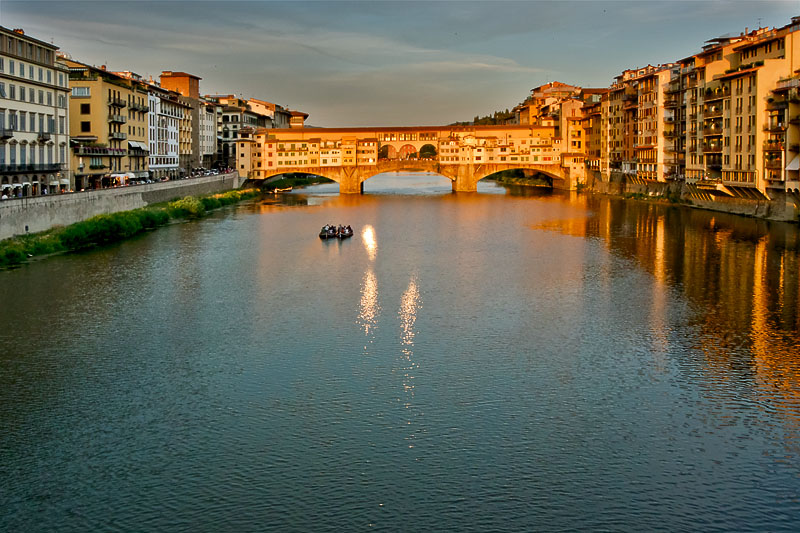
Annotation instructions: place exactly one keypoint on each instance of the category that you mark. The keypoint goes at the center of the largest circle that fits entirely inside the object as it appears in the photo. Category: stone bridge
(464, 177)
(463, 154)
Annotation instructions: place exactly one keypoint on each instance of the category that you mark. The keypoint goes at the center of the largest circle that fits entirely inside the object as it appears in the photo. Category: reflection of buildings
(740, 275)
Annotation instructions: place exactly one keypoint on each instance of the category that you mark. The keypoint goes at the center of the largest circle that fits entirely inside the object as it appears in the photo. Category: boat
(345, 232)
(328, 232)
(287, 189)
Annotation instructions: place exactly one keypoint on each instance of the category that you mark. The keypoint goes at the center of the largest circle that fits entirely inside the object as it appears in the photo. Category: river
(509, 360)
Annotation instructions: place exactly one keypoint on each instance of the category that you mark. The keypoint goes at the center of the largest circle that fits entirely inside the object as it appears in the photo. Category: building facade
(34, 117)
(108, 121)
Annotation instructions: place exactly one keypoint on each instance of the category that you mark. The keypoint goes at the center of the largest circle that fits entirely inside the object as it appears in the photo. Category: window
(85, 109)
(61, 124)
(49, 98)
(22, 117)
(2, 90)
(41, 97)
(86, 126)
(80, 91)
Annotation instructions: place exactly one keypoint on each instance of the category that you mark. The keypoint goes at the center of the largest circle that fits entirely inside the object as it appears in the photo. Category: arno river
(511, 360)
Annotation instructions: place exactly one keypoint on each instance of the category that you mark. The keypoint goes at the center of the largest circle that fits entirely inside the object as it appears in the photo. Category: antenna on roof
(759, 22)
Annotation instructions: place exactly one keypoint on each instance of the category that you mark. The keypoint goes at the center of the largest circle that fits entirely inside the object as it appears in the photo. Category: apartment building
(108, 123)
(187, 85)
(34, 117)
(207, 133)
(167, 115)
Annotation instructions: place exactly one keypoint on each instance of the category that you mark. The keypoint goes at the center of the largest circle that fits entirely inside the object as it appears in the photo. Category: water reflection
(368, 307)
(731, 270)
(409, 306)
(368, 238)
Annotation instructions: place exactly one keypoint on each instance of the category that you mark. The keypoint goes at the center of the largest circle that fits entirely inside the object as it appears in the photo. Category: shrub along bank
(114, 227)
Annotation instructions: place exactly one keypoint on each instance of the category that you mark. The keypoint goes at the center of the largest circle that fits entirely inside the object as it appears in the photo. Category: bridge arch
(408, 151)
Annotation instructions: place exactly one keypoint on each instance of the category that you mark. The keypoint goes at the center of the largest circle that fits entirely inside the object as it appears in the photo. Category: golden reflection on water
(370, 243)
(740, 276)
(409, 306)
(368, 307)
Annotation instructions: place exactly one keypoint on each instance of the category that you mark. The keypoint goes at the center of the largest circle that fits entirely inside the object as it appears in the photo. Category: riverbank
(40, 213)
(114, 227)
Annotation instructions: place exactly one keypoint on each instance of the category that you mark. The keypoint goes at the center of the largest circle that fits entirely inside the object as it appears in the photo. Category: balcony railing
(117, 118)
(99, 151)
(773, 146)
(712, 132)
(783, 85)
(117, 102)
(775, 127)
(44, 136)
(773, 164)
(38, 167)
(712, 148)
(6, 133)
(118, 135)
(712, 113)
(139, 107)
(716, 94)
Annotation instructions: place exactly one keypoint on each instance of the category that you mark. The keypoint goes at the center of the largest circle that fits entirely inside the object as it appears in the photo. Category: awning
(53, 181)
(794, 164)
(64, 181)
(138, 145)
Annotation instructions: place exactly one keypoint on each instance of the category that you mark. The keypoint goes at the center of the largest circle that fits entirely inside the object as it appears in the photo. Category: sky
(386, 63)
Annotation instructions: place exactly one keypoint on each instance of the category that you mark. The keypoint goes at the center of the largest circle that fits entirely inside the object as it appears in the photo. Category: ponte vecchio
(464, 154)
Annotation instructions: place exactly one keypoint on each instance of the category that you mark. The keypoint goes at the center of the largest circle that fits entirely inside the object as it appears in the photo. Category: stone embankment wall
(30, 215)
(783, 206)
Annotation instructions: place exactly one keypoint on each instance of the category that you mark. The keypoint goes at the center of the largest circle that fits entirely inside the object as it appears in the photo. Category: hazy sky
(386, 63)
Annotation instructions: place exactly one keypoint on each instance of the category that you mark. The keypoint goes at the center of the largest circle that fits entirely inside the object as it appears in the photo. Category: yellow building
(108, 125)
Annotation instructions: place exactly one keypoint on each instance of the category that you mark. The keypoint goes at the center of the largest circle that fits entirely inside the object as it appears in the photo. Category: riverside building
(108, 120)
(34, 111)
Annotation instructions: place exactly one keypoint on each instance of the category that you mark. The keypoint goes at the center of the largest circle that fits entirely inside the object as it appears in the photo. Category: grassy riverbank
(114, 227)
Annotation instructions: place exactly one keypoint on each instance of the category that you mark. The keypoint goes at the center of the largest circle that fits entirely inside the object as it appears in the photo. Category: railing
(43, 136)
(777, 127)
(774, 164)
(712, 148)
(6, 133)
(712, 113)
(117, 102)
(117, 118)
(712, 131)
(139, 107)
(716, 94)
(788, 84)
(100, 150)
(38, 167)
(773, 146)
(118, 135)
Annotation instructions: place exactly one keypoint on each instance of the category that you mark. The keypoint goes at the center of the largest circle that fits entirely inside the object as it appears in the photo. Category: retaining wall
(40, 213)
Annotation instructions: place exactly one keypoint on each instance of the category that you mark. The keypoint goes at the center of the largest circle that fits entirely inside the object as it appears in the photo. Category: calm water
(509, 360)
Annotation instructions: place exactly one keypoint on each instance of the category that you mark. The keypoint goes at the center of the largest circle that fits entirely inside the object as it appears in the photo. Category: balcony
(773, 146)
(712, 132)
(44, 136)
(717, 94)
(713, 112)
(777, 105)
(6, 133)
(139, 107)
(785, 85)
(775, 127)
(117, 135)
(773, 164)
(117, 118)
(39, 167)
(671, 103)
(99, 151)
(673, 89)
(712, 148)
(117, 102)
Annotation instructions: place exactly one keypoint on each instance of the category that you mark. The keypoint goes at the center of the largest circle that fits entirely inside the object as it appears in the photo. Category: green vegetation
(295, 180)
(520, 177)
(114, 227)
(498, 117)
